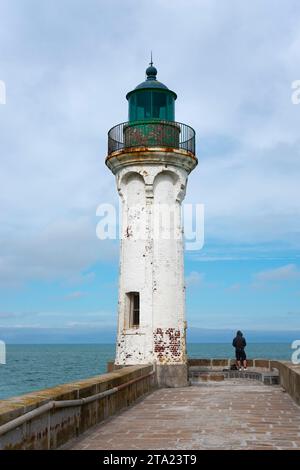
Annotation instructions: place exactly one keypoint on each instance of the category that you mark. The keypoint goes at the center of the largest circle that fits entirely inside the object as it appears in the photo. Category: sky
(67, 67)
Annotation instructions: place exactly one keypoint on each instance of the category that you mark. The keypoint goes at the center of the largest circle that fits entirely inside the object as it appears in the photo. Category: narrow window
(134, 309)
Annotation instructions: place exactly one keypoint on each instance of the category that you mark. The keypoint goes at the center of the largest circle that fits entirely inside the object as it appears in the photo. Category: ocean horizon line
(112, 343)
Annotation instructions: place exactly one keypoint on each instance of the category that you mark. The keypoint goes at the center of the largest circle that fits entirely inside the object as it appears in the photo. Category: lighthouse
(151, 156)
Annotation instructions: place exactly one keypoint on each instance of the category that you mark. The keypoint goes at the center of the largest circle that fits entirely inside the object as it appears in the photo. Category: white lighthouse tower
(151, 156)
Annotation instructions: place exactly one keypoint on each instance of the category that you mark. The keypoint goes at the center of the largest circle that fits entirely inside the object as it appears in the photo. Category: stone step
(197, 375)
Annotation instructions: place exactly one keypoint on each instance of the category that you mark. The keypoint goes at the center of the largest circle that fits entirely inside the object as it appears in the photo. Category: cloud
(75, 295)
(234, 287)
(194, 279)
(66, 84)
(5, 315)
(64, 250)
(58, 335)
(78, 324)
(289, 272)
(238, 102)
(59, 319)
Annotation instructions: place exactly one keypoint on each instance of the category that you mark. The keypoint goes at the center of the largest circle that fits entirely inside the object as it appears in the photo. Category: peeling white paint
(152, 264)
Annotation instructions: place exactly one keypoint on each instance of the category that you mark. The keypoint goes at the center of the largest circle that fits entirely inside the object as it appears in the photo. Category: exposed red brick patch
(168, 346)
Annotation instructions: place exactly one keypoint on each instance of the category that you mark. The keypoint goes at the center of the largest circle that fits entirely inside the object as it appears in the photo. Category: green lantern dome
(151, 99)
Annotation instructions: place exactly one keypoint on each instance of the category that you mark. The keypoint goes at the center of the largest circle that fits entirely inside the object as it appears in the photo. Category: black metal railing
(152, 133)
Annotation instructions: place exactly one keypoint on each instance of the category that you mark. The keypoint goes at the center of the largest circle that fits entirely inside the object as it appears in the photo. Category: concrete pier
(232, 414)
(125, 409)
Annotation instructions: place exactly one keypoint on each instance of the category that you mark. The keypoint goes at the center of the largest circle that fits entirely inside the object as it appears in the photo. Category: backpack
(239, 344)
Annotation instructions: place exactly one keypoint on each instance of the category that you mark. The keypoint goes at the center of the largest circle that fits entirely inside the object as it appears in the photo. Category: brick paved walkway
(234, 414)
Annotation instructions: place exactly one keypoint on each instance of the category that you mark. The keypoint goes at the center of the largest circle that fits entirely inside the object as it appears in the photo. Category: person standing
(239, 343)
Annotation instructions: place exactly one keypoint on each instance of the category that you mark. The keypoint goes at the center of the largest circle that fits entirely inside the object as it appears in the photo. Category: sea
(33, 367)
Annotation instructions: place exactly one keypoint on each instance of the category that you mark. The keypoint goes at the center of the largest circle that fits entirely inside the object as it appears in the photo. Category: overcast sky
(67, 66)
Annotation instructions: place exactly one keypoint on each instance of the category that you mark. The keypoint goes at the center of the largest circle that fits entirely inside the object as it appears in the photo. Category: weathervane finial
(151, 61)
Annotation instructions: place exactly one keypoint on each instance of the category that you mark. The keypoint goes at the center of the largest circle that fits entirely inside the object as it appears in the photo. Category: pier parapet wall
(289, 378)
(47, 419)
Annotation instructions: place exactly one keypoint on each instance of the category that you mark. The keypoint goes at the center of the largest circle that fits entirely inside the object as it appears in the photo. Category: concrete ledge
(289, 374)
(265, 363)
(198, 375)
(55, 427)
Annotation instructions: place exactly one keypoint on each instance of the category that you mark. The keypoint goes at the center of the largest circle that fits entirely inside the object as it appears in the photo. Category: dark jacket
(239, 343)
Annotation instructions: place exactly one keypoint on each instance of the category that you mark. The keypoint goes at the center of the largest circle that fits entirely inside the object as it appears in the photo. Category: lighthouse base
(172, 375)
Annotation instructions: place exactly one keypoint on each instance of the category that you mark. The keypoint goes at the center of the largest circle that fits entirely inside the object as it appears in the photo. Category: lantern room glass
(151, 104)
